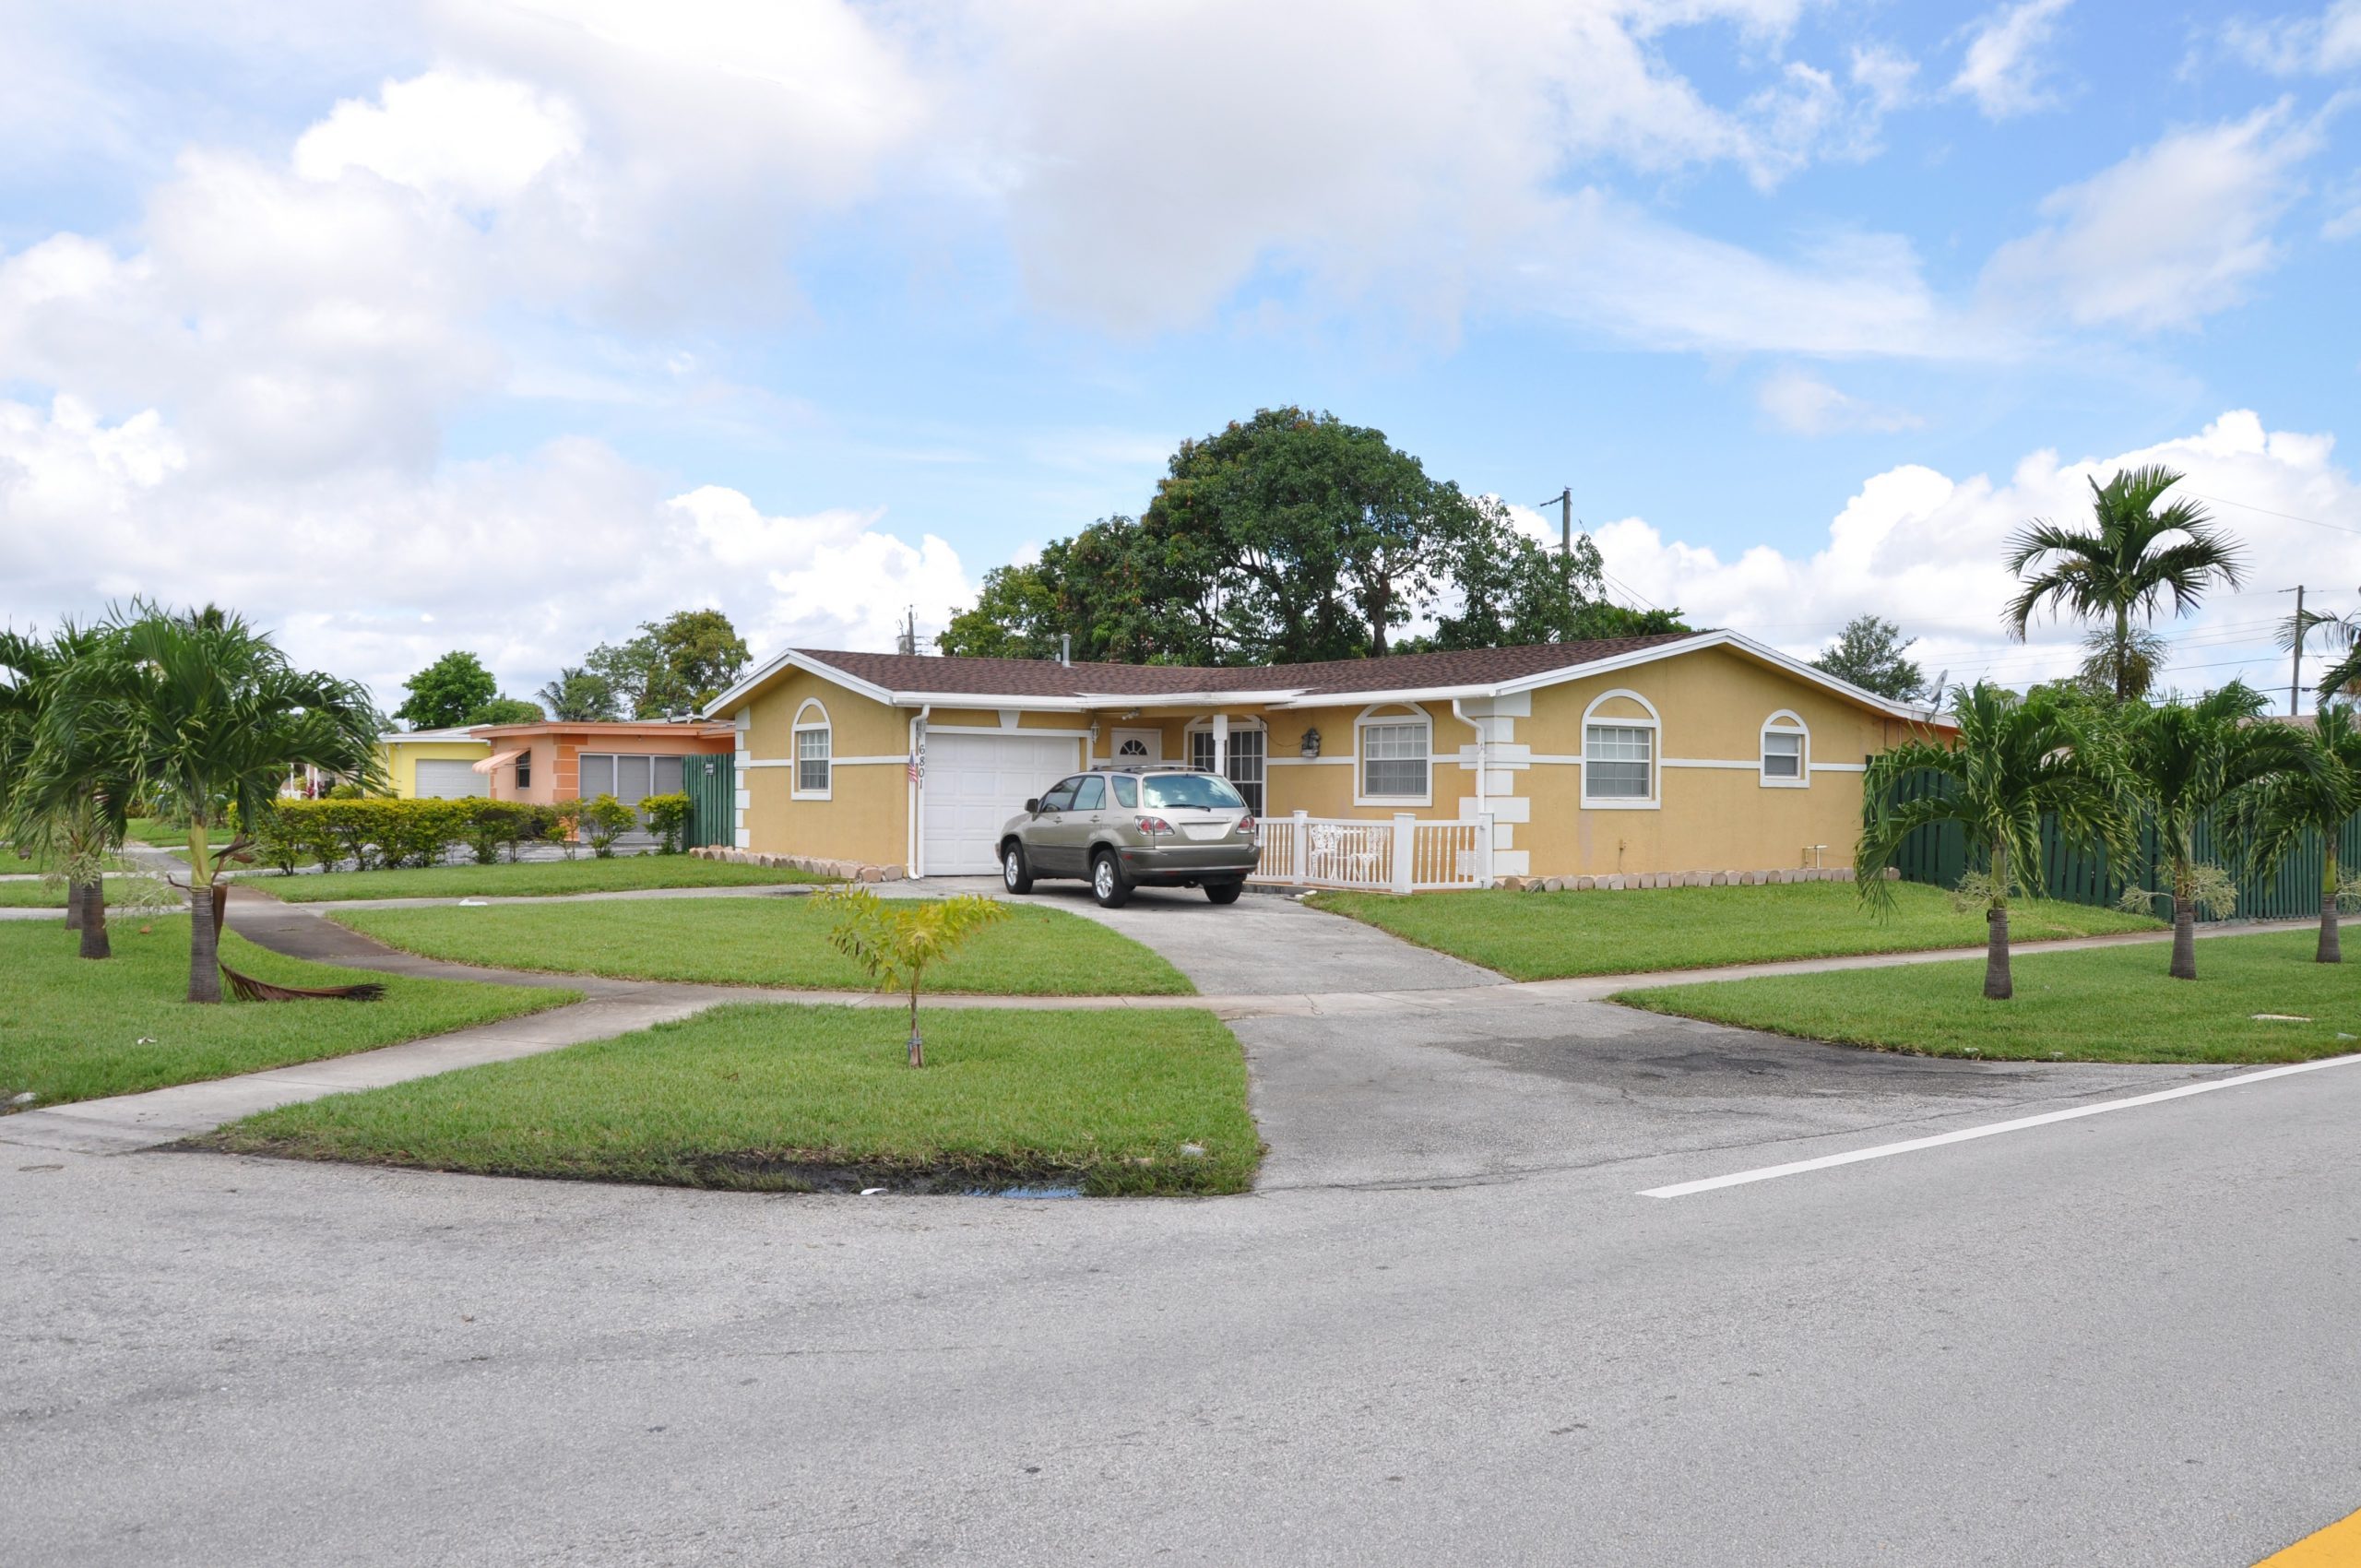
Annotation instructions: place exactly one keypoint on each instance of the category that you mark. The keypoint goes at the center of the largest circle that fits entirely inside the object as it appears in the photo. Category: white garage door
(974, 783)
(450, 781)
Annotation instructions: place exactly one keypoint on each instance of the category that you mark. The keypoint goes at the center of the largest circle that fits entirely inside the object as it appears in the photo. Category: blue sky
(509, 325)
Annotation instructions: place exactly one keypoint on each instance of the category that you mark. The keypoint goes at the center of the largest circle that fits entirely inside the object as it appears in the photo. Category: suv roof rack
(1155, 767)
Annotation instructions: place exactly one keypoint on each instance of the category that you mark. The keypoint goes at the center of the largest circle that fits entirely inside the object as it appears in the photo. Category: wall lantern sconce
(1310, 745)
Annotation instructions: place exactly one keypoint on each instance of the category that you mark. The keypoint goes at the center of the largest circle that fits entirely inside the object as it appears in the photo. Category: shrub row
(368, 835)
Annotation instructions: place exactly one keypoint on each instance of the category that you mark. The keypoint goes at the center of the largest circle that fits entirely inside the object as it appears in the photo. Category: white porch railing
(1403, 855)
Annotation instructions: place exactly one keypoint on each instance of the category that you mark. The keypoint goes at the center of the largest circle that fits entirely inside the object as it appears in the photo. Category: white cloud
(2008, 59)
(1809, 406)
(1889, 76)
(1604, 263)
(1925, 551)
(2171, 233)
(2303, 44)
(1411, 157)
(476, 139)
(374, 573)
(2344, 223)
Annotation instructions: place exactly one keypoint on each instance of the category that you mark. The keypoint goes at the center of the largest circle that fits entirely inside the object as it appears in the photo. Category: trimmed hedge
(371, 834)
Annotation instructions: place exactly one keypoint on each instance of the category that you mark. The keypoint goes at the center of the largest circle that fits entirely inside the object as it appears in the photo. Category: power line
(2290, 516)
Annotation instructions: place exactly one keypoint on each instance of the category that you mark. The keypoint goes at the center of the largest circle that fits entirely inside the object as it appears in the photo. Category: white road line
(1771, 1172)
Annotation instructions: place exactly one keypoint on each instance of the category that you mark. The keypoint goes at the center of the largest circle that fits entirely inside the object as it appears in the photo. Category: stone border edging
(851, 871)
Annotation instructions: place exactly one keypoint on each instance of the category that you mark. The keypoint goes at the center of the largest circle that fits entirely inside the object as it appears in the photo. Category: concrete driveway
(1261, 945)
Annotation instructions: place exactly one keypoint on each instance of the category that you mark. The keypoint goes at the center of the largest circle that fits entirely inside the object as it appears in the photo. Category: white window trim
(1653, 723)
(1796, 726)
(795, 752)
(1378, 714)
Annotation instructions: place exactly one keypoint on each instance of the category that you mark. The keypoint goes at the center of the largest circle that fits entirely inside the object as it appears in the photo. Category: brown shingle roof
(1046, 678)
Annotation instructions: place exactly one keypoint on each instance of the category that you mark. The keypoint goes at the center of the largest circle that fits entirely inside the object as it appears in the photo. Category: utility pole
(2295, 671)
(1566, 523)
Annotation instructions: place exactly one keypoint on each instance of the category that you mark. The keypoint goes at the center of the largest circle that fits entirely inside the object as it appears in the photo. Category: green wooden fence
(1940, 856)
(712, 785)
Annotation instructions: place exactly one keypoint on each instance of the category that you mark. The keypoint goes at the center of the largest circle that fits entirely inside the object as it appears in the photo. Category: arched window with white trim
(1620, 755)
(1394, 755)
(814, 752)
(1787, 752)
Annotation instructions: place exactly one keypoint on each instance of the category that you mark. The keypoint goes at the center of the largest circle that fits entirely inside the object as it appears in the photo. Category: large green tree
(447, 692)
(205, 713)
(504, 709)
(1872, 653)
(2014, 761)
(675, 665)
(1286, 538)
(2117, 572)
(1510, 590)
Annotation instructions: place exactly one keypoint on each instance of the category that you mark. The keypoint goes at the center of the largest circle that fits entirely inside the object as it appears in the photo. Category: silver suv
(1125, 828)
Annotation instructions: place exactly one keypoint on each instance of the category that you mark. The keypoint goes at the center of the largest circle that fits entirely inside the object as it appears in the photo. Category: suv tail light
(1153, 825)
(1246, 824)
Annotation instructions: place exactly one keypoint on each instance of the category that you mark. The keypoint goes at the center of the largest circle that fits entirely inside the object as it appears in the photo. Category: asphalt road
(2124, 1339)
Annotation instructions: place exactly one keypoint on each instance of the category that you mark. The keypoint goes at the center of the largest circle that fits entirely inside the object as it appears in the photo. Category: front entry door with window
(1135, 748)
(1243, 763)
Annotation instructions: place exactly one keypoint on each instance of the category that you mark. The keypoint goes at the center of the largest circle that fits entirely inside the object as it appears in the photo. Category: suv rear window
(1204, 791)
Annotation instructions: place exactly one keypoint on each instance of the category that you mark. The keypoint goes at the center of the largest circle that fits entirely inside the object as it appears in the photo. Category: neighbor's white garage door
(450, 781)
(974, 783)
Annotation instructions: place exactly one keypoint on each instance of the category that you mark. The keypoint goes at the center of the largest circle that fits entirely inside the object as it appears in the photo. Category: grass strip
(74, 1028)
(766, 941)
(525, 879)
(2098, 1005)
(778, 1097)
(1531, 936)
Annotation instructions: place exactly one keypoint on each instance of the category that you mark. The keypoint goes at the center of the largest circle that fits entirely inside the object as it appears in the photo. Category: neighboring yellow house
(1685, 752)
(435, 763)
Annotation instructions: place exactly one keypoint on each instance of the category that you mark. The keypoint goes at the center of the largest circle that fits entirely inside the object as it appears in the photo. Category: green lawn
(786, 1097)
(72, 1028)
(2101, 1004)
(36, 896)
(528, 879)
(769, 942)
(1549, 935)
(168, 835)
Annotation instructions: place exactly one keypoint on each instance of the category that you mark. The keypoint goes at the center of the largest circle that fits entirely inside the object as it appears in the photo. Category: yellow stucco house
(1685, 752)
(434, 764)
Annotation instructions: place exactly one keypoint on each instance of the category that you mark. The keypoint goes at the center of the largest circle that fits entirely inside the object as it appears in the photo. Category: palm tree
(2120, 567)
(62, 791)
(2344, 675)
(2014, 761)
(2180, 761)
(2278, 813)
(208, 713)
(578, 697)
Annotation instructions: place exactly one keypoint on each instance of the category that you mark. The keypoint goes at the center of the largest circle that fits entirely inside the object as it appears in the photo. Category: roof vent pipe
(1065, 648)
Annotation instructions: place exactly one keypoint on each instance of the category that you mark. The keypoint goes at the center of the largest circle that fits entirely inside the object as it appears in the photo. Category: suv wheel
(1013, 872)
(1224, 892)
(1107, 884)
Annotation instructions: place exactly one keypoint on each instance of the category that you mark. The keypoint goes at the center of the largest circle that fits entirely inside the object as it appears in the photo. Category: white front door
(974, 784)
(1134, 748)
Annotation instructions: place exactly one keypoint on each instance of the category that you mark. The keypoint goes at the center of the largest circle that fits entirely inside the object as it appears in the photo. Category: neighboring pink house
(549, 762)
